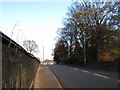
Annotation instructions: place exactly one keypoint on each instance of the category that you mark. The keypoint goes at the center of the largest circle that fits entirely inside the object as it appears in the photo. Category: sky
(38, 21)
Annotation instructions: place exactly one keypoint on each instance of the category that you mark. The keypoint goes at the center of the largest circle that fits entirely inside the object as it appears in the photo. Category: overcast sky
(37, 21)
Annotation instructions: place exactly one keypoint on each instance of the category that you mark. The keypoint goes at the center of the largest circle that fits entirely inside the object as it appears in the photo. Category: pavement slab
(45, 78)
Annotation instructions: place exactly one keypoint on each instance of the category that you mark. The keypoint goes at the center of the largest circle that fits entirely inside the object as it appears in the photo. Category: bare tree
(30, 46)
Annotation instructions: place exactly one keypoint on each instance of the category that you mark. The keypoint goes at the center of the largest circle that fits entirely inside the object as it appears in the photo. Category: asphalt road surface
(82, 77)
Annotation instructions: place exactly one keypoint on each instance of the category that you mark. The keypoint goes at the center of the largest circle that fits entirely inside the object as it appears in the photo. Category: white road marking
(75, 69)
(100, 75)
(85, 71)
(118, 80)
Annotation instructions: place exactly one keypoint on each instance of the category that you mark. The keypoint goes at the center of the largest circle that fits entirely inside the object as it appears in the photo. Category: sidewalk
(45, 79)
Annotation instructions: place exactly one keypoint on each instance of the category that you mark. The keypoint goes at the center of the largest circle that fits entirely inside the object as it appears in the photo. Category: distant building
(48, 62)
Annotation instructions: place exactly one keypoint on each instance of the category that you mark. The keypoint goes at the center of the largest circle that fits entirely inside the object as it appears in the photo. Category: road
(81, 77)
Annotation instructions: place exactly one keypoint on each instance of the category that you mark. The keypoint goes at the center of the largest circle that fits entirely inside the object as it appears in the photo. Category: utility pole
(43, 52)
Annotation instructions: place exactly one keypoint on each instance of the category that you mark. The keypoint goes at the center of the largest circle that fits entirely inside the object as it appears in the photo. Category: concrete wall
(18, 66)
(0, 63)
